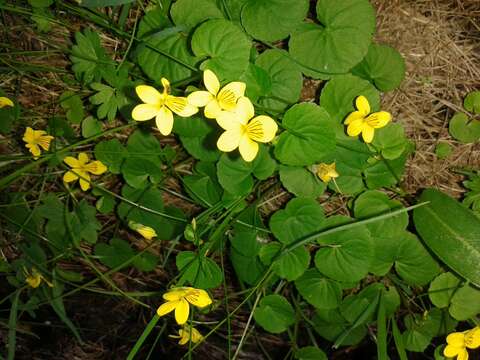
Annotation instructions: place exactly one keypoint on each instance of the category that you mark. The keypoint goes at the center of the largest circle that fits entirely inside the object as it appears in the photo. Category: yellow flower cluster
(232, 110)
(81, 170)
(36, 139)
(179, 300)
(459, 342)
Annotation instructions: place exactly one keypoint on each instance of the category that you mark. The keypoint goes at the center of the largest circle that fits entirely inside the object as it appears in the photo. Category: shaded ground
(440, 41)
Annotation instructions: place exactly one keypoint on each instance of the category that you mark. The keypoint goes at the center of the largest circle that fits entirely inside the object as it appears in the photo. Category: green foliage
(104, 3)
(301, 182)
(443, 150)
(274, 314)
(472, 196)
(198, 270)
(463, 128)
(73, 106)
(119, 252)
(91, 127)
(472, 102)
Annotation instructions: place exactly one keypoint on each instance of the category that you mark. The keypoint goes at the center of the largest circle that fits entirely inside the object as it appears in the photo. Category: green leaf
(138, 173)
(203, 185)
(104, 3)
(73, 105)
(285, 77)
(346, 255)
(274, 313)
(151, 201)
(111, 153)
(272, 20)
(290, 265)
(338, 98)
(422, 328)
(153, 21)
(357, 306)
(91, 127)
(472, 197)
(443, 150)
(330, 324)
(114, 254)
(319, 291)
(106, 203)
(143, 145)
(299, 219)
(390, 141)
(451, 231)
(464, 129)
(310, 353)
(248, 268)
(235, 174)
(384, 173)
(442, 288)
(472, 102)
(341, 42)
(111, 99)
(258, 82)
(83, 223)
(301, 182)
(40, 3)
(308, 137)
(198, 136)
(225, 46)
(146, 262)
(89, 57)
(200, 271)
(383, 66)
(186, 12)
(465, 303)
(153, 59)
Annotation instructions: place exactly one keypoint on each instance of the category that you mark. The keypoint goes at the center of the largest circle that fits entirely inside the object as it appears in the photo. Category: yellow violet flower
(178, 299)
(362, 122)
(34, 278)
(81, 168)
(325, 172)
(458, 342)
(146, 231)
(188, 333)
(243, 132)
(36, 139)
(215, 99)
(161, 106)
(4, 101)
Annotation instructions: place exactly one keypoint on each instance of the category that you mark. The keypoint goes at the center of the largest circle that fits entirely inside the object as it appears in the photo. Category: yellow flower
(160, 106)
(81, 168)
(325, 171)
(188, 333)
(4, 101)
(36, 139)
(146, 231)
(215, 99)
(458, 342)
(362, 122)
(178, 299)
(244, 132)
(34, 278)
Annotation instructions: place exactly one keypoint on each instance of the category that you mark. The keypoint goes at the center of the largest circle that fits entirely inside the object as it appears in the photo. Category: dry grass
(440, 41)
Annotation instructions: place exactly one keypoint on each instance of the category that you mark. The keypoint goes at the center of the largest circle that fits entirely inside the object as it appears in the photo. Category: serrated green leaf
(73, 105)
(227, 59)
(111, 153)
(272, 20)
(383, 66)
(274, 313)
(83, 224)
(200, 271)
(308, 138)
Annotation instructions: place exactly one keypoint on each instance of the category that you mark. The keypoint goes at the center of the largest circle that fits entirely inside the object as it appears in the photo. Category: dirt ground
(440, 40)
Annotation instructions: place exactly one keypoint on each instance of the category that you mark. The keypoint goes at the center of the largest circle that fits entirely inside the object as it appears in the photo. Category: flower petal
(229, 140)
(200, 98)
(180, 106)
(164, 121)
(184, 337)
(451, 351)
(71, 161)
(463, 355)
(198, 297)
(456, 339)
(4, 101)
(262, 128)
(472, 338)
(229, 95)
(355, 127)
(34, 149)
(245, 110)
(166, 85)
(379, 119)
(85, 184)
(145, 112)
(70, 176)
(148, 94)
(29, 136)
(362, 105)
(167, 307)
(44, 141)
(356, 115)
(96, 167)
(248, 148)
(367, 133)
(176, 294)
(212, 110)
(181, 312)
(83, 158)
(211, 82)
(229, 121)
